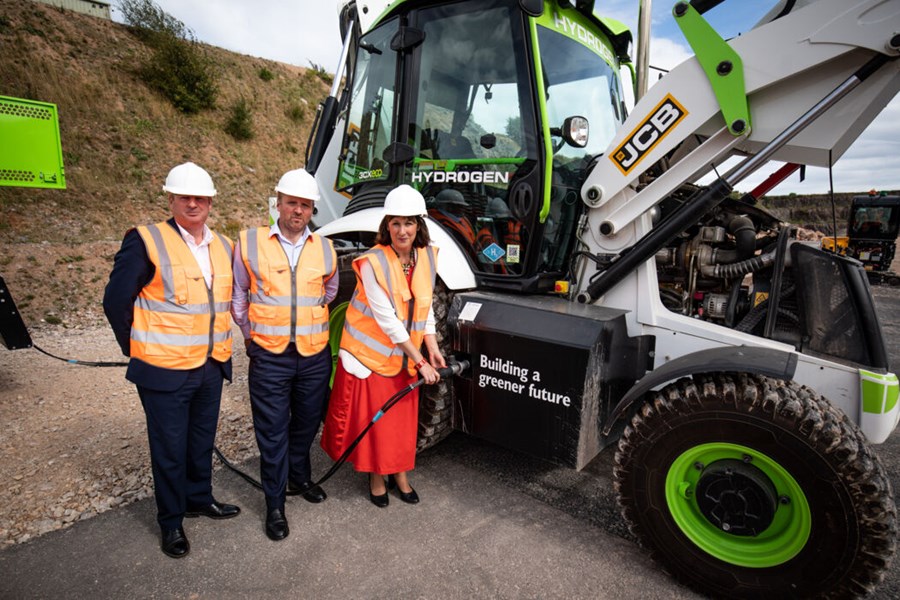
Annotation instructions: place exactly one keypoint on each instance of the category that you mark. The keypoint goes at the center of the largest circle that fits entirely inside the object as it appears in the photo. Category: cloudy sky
(305, 32)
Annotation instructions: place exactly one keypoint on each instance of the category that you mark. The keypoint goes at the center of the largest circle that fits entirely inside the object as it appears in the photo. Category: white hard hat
(189, 180)
(404, 201)
(298, 183)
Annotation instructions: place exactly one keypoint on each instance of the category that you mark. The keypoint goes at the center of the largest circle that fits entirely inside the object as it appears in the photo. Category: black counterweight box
(545, 373)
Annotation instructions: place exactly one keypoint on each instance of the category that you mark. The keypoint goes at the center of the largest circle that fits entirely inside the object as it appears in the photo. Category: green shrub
(177, 68)
(321, 73)
(139, 154)
(181, 72)
(240, 124)
(64, 260)
(148, 19)
(266, 75)
(296, 113)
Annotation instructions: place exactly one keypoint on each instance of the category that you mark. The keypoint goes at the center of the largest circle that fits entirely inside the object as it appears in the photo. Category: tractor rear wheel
(746, 486)
(436, 401)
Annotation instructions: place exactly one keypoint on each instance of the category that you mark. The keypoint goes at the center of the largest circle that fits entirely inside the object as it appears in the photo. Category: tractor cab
(874, 217)
(494, 114)
(872, 235)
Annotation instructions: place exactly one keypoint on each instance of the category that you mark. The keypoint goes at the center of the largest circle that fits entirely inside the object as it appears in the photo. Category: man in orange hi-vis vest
(168, 301)
(284, 278)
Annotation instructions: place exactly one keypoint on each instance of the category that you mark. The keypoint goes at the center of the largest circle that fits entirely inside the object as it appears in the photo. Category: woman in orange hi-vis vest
(387, 320)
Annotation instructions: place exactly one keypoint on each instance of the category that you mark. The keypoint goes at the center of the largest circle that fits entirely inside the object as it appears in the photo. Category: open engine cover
(545, 373)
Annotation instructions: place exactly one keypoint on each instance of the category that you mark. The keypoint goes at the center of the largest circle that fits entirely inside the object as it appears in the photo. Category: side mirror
(575, 131)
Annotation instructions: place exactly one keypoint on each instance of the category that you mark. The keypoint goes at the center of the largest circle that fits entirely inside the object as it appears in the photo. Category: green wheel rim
(782, 540)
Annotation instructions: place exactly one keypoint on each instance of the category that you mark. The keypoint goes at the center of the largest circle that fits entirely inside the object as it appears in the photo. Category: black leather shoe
(411, 498)
(174, 543)
(379, 501)
(216, 510)
(311, 493)
(276, 525)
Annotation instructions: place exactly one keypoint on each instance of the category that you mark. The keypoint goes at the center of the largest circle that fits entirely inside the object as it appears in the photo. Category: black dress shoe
(311, 493)
(276, 525)
(410, 498)
(216, 510)
(174, 543)
(379, 501)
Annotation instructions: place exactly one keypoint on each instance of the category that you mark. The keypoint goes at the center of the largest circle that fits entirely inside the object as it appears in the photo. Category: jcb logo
(648, 134)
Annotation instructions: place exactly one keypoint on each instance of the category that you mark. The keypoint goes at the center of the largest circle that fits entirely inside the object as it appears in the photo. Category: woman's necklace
(406, 266)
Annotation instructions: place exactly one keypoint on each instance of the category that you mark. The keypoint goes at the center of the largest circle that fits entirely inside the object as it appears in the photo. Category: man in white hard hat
(284, 278)
(168, 301)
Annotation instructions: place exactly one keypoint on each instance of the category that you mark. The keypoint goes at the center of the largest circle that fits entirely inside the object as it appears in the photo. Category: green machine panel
(30, 149)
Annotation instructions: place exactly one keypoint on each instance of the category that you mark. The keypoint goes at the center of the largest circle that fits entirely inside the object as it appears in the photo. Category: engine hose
(739, 269)
(744, 233)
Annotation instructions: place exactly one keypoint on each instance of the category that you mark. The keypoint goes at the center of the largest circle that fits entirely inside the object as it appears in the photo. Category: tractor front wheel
(746, 486)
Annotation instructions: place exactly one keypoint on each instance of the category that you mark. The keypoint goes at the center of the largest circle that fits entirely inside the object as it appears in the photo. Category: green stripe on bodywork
(450, 164)
(712, 51)
(389, 9)
(545, 132)
(575, 26)
(880, 391)
(335, 329)
(571, 24)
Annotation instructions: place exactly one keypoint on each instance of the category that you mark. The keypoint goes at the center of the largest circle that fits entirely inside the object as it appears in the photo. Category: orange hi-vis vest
(362, 337)
(287, 304)
(457, 223)
(178, 321)
(513, 233)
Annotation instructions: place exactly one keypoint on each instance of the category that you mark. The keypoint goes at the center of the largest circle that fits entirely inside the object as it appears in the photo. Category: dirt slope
(119, 140)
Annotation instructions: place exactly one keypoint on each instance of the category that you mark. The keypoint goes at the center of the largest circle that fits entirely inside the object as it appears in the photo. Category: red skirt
(390, 445)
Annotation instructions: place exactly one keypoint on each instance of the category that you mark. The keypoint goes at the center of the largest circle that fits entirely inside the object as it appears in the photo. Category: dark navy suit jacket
(132, 270)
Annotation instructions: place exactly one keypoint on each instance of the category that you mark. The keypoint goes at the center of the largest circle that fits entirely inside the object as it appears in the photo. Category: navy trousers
(181, 427)
(287, 395)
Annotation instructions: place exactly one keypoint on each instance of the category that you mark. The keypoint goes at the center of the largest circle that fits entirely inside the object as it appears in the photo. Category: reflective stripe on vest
(178, 321)
(287, 304)
(362, 337)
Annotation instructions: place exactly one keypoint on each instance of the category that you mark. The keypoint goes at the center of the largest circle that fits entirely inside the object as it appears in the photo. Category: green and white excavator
(602, 294)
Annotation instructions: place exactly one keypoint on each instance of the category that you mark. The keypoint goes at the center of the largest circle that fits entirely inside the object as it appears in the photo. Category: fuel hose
(454, 369)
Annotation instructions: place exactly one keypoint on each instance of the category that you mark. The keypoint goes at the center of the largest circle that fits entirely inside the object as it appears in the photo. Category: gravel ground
(73, 442)
(73, 438)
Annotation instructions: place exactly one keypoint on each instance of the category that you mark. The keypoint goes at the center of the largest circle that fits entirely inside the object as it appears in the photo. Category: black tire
(436, 401)
(835, 533)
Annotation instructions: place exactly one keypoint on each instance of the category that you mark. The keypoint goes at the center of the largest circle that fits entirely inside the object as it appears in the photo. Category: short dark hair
(383, 236)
